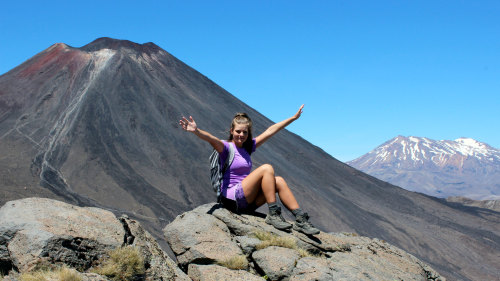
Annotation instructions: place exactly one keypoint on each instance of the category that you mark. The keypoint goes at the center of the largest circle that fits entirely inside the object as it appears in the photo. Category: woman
(251, 189)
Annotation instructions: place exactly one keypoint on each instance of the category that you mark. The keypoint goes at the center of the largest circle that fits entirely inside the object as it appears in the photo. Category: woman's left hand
(297, 115)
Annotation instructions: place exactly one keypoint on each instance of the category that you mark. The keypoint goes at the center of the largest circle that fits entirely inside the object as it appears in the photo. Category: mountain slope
(97, 126)
(488, 204)
(464, 167)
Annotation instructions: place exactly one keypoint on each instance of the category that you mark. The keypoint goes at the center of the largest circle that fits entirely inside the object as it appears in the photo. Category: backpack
(216, 173)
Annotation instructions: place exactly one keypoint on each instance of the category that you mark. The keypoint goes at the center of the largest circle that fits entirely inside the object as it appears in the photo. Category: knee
(268, 169)
(281, 184)
(280, 180)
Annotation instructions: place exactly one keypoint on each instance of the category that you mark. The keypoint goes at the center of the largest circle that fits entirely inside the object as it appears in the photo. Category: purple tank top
(239, 169)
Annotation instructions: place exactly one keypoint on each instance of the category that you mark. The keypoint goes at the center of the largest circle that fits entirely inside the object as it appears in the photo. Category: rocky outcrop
(210, 235)
(210, 243)
(36, 231)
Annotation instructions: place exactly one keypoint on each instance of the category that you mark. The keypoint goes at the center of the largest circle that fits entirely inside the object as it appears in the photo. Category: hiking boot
(275, 219)
(303, 225)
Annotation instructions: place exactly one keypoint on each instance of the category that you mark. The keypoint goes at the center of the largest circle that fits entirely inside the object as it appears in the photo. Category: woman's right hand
(188, 125)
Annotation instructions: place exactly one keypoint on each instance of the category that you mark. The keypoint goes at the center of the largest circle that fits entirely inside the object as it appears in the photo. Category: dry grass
(268, 239)
(235, 262)
(123, 264)
(304, 253)
(58, 274)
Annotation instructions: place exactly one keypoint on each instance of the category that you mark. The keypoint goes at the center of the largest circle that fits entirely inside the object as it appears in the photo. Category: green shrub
(235, 262)
(123, 264)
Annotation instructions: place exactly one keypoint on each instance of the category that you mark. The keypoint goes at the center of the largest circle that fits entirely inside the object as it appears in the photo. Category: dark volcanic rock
(97, 126)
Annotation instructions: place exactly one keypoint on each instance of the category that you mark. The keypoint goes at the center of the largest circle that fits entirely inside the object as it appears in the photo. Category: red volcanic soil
(57, 56)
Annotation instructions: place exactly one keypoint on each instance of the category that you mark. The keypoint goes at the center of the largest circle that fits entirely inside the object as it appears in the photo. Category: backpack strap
(227, 164)
(229, 159)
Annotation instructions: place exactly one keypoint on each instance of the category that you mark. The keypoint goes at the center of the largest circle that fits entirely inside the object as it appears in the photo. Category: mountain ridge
(100, 128)
(464, 167)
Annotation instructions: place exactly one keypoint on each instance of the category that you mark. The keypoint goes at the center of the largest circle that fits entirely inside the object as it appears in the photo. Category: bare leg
(261, 186)
(260, 182)
(285, 194)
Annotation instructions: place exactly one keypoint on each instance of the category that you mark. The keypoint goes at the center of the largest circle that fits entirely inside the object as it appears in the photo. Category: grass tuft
(304, 253)
(268, 239)
(123, 264)
(59, 274)
(235, 262)
(285, 242)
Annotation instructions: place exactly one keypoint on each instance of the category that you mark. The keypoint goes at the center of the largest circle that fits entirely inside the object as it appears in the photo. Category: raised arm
(190, 126)
(269, 132)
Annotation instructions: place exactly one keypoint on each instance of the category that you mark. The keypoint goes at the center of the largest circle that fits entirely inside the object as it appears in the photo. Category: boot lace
(278, 214)
(305, 220)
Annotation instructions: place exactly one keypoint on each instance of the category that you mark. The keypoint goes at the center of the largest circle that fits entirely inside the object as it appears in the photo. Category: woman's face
(240, 134)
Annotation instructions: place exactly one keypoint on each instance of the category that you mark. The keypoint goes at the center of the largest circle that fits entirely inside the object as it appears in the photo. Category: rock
(197, 237)
(333, 256)
(247, 225)
(38, 229)
(159, 265)
(35, 230)
(247, 244)
(313, 268)
(276, 262)
(324, 242)
(374, 259)
(199, 272)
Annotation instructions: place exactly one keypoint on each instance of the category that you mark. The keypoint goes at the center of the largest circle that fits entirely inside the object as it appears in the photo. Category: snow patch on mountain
(419, 150)
(461, 167)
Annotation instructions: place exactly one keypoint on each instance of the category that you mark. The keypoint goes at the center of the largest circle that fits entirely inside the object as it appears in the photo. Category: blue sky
(367, 71)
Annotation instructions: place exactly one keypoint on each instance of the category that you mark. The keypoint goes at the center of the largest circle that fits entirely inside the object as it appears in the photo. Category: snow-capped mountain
(463, 167)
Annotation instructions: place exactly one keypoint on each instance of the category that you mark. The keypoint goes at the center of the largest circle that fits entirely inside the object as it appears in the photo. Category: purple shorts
(235, 193)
